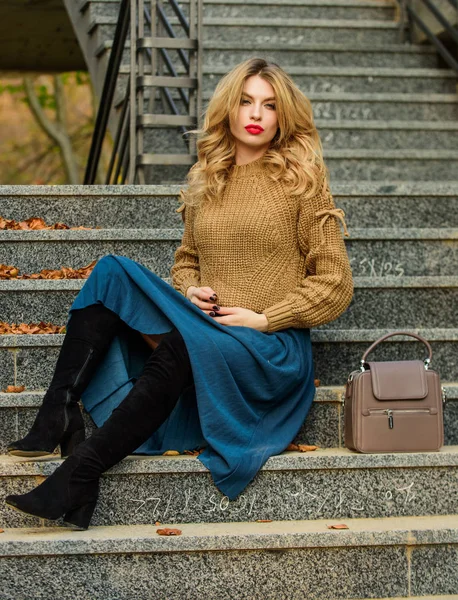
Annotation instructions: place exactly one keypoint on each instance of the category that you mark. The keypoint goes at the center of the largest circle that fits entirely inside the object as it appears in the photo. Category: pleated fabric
(252, 390)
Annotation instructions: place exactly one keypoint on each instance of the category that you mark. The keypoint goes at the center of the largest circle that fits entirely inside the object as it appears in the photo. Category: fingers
(205, 299)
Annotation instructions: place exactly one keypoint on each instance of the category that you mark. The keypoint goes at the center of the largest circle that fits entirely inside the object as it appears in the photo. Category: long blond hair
(295, 154)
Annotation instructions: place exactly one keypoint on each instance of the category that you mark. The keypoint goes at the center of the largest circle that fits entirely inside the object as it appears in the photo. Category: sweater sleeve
(327, 288)
(185, 270)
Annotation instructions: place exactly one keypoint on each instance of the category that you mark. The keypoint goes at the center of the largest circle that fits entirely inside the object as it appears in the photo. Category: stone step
(301, 9)
(386, 107)
(349, 135)
(407, 165)
(390, 301)
(328, 483)
(323, 427)
(30, 359)
(339, 80)
(401, 204)
(414, 252)
(304, 557)
(227, 54)
(220, 54)
(359, 79)
(369, 106)
(277, 30)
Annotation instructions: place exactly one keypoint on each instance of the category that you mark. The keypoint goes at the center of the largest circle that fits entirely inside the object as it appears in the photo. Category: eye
(271, 105)
(244, 100)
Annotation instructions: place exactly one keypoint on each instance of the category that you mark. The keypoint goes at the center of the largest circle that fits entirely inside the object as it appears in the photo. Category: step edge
(245, 535)
(322, 459)
(436, 334)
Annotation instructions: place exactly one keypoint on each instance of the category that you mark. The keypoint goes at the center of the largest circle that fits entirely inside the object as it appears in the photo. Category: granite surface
(434, 570)
(402, 204)
(391, 167)
(371, 307)
(350, 79)
(325, 484)
(373, 252)
(343, 55)
(336, 353)
(348, 135)
(324, 575)
(107, 209)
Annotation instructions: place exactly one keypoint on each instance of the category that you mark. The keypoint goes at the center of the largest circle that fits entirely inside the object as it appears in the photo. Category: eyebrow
(245, 94)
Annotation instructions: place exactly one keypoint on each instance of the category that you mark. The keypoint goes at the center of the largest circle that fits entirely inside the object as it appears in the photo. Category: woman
(262, 260)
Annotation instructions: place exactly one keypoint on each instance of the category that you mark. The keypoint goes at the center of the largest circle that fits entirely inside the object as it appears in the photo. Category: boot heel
(80, 517)
(70, 441)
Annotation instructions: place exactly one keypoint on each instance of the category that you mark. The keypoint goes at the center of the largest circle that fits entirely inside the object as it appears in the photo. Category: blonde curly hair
(295, 154)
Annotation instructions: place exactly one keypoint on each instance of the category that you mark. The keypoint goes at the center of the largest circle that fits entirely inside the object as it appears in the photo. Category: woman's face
(257, 108)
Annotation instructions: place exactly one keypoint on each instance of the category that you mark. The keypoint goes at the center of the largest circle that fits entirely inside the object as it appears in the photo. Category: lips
(257, 128)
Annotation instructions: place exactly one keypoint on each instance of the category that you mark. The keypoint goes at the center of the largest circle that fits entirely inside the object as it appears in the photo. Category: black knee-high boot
(72, 490)
(90, 332)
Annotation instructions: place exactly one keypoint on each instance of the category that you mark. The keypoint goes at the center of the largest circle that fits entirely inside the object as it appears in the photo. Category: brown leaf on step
(171, 453)
(317, 382)
(30, 328)
(338, 526)
(8, 271)
(293, 447)
(168, 531)
(263, 520)
(192, 452)
(14, 389)
(34, 224)
(305, 448)
(157, 523)
(2, 531)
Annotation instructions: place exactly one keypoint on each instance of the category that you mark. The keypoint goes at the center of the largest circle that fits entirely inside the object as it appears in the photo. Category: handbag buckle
(427, 362)
(362, 366)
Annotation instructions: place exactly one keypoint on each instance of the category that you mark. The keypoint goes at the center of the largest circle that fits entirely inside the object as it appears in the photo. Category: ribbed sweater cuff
(279, 316)
(186, 283)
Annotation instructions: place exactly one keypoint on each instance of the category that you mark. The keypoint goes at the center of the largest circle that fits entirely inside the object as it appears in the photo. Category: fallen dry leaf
(301, 448)
(305, 448)
(263, 520)
(34, 224)
(30, 328)
(317, 382)
(157, 523)
(2, 531)
(11, 272)
(171, 453)
(14, 389)
(338, 526)
(192, 452)
(168, 531)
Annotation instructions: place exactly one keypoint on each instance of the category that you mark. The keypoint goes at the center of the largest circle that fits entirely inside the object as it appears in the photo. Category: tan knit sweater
(263, 249)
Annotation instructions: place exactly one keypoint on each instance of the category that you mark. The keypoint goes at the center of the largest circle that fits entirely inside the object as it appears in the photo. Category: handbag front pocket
(400, 430)
(392, 413)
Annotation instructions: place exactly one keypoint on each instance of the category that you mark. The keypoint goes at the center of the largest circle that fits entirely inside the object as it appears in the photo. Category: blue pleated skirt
(252, 390)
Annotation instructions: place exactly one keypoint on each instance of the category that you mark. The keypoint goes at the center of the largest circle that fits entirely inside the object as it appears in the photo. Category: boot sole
(67, 525)
(30, 453)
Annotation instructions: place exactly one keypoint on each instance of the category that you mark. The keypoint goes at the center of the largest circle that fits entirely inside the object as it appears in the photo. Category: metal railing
(151, 71)
(413, 18)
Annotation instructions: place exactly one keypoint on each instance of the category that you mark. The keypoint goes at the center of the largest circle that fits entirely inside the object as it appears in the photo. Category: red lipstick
(254, 129)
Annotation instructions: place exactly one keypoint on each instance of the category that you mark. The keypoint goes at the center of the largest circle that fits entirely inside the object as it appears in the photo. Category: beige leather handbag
(394, 406)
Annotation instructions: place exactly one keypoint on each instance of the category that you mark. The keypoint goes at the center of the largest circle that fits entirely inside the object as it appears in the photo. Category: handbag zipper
(389, 412)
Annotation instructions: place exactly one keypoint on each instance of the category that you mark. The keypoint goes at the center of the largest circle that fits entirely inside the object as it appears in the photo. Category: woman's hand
(206, 299)
(235, 315)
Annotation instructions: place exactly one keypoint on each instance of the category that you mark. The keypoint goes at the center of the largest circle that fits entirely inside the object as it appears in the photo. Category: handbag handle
(388, 335)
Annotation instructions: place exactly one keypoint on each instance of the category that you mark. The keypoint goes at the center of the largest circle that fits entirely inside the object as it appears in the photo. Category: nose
(256, 112)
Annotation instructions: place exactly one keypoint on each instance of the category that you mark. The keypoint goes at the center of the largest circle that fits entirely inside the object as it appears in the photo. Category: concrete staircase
(388, 118)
